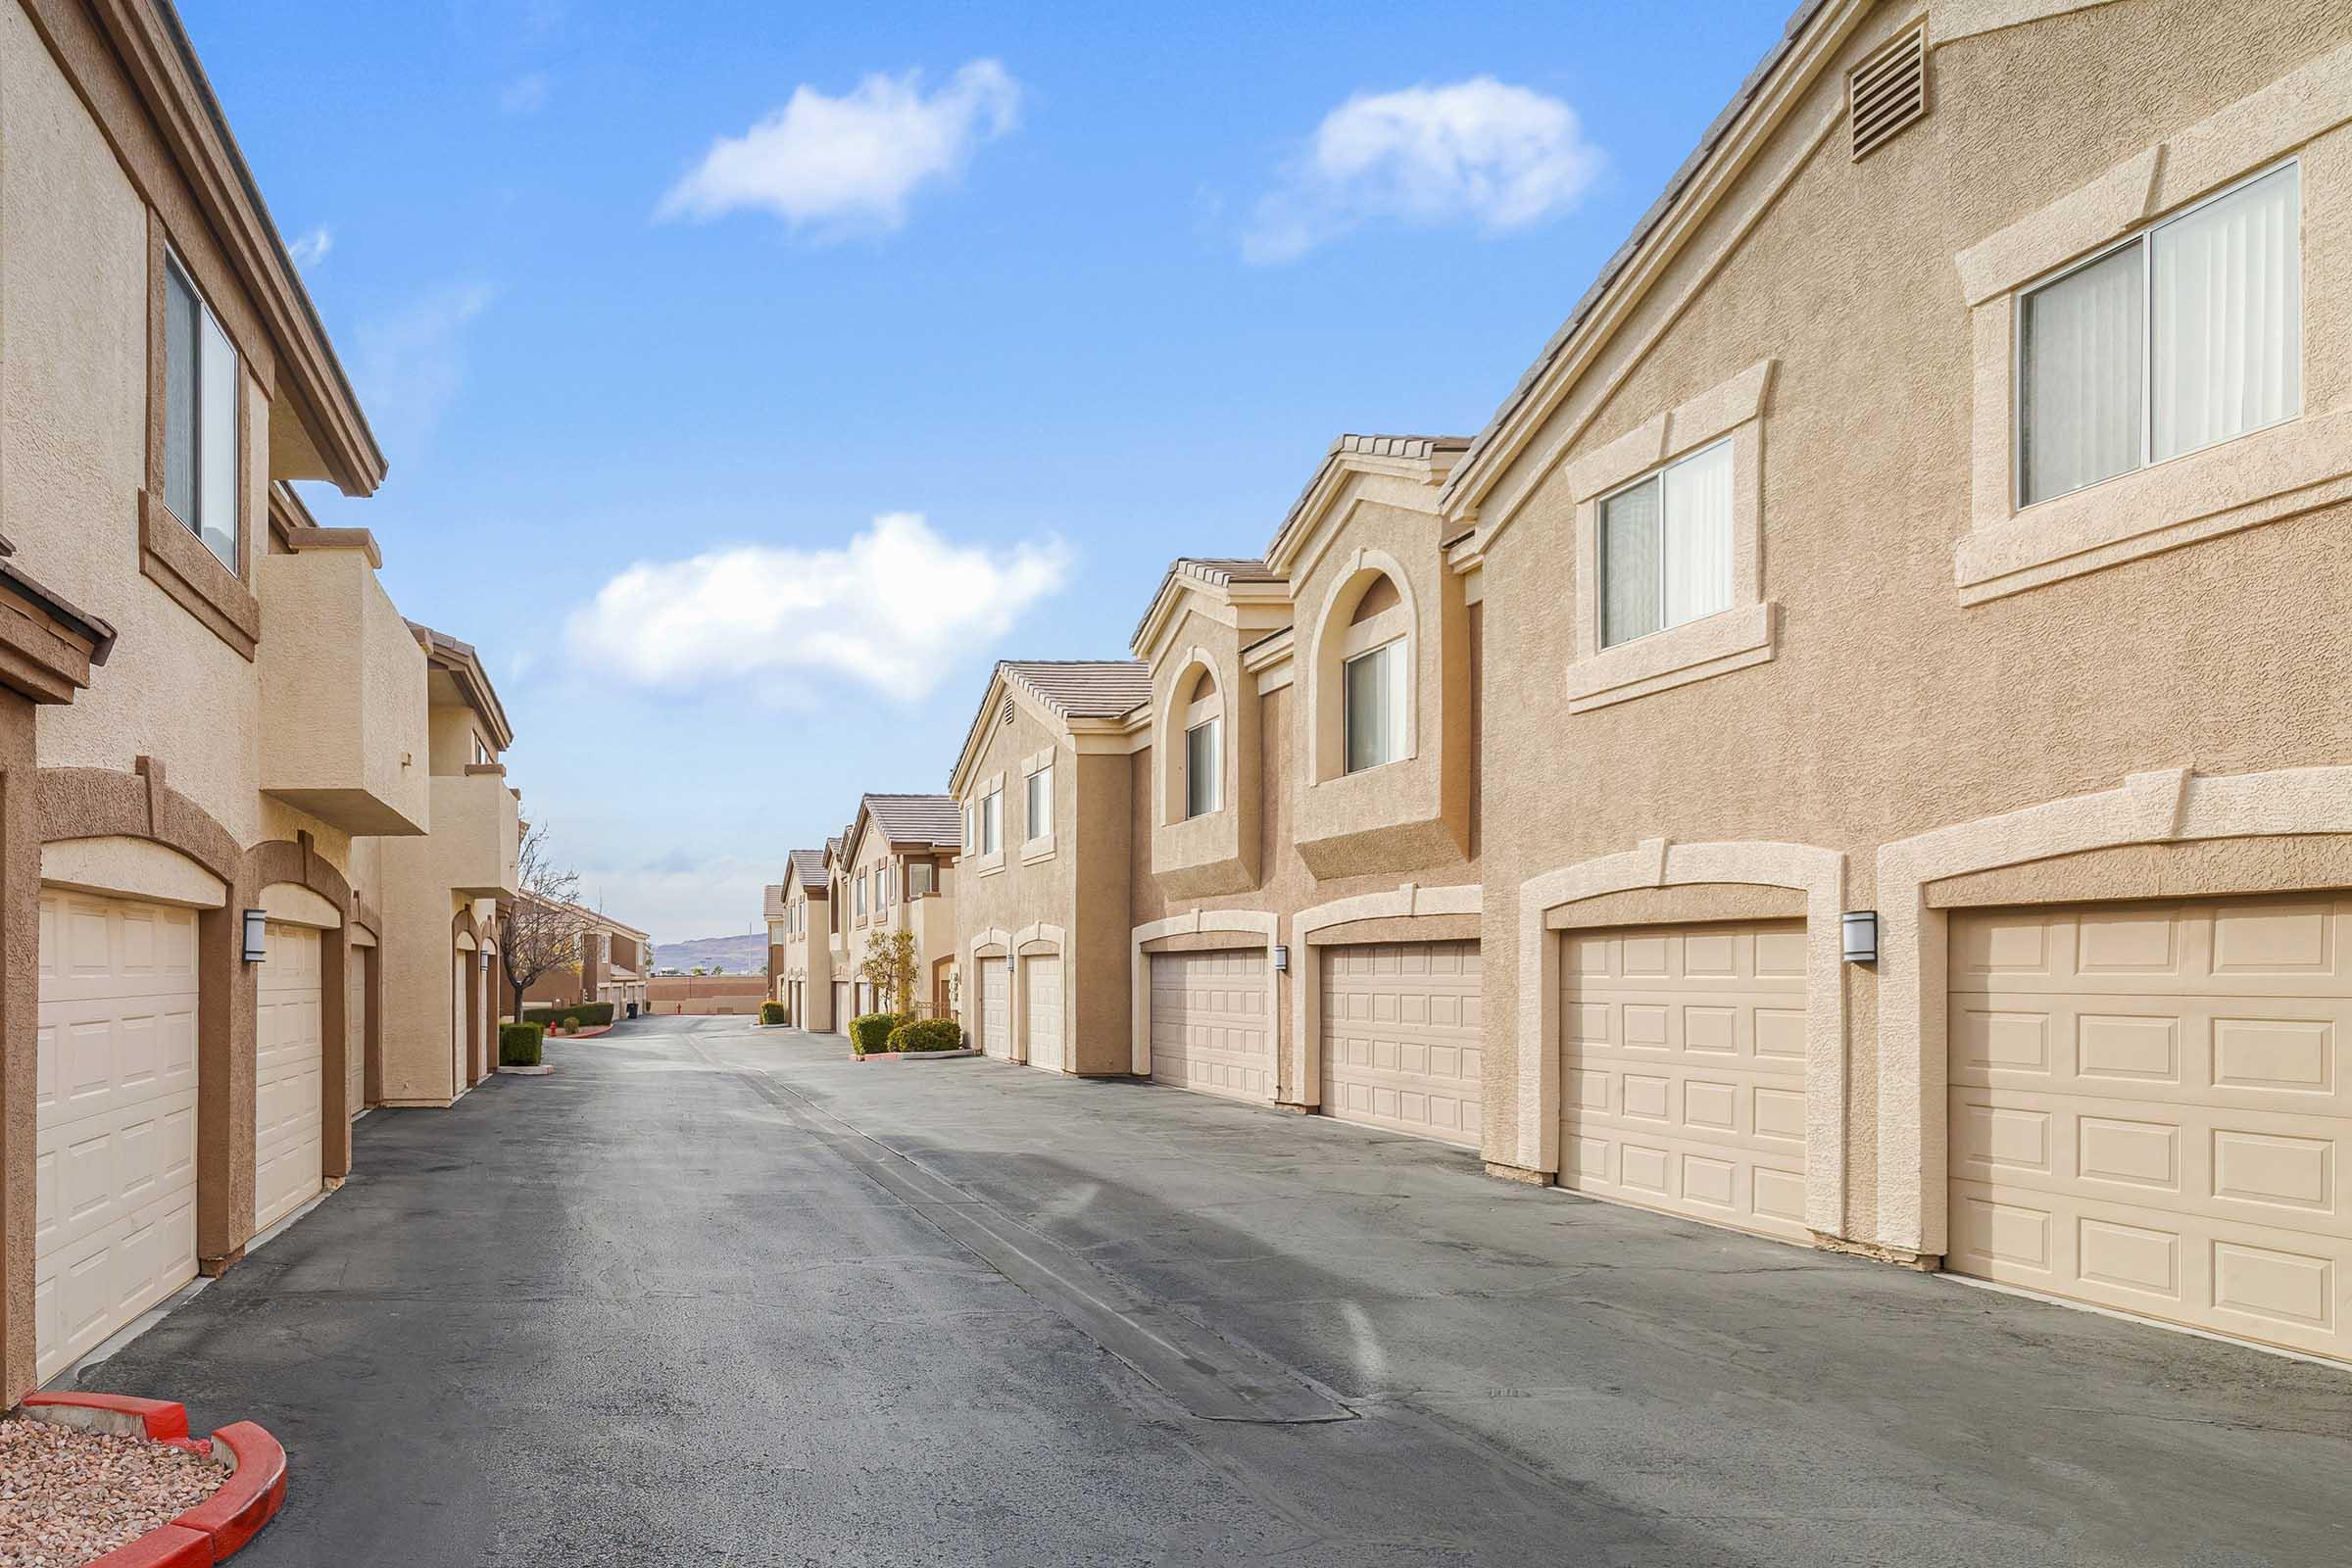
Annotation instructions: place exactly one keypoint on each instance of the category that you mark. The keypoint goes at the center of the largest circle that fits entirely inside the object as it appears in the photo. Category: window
(918, 879)
(2180, 338)
(859, 895)
(992, 822)
(200, 418)
(1204, 769)
(481, 752)
(1040, 803)
(1666, 547)
(1374, 714)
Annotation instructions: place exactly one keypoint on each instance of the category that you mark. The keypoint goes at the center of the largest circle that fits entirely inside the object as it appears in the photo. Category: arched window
(1376, 678)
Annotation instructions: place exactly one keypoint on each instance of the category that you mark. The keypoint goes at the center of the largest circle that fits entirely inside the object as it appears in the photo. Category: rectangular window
(1666, 547)
(859, 896)
(1374, 714)
(919, 880)
(1204, 769)
(2183, 337)
(992, 822)
(200, 418)
(1040, 803)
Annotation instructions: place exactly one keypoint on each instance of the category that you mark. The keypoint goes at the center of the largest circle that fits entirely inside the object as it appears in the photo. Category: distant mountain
(743, 955)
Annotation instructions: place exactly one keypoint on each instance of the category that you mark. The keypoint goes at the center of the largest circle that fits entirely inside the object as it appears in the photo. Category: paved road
(714, 1296)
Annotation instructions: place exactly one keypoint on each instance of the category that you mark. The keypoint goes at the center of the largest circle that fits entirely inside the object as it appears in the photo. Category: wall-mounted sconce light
(257, 936)
(1281, 960)
(1861, 931)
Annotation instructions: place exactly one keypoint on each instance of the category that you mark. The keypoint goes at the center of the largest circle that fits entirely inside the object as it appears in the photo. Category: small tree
(890, 970)
(539, 929)
(698, 969)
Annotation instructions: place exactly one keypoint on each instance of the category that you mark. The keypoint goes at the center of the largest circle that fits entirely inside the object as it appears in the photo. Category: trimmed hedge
(927, 1034)
(518, 1043)
(870, 1033)
(588, 1013)
(771, 1012)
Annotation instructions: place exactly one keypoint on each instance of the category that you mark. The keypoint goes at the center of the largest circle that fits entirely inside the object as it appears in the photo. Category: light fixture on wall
(257, 936)
(1861, 931)
(1281, 960)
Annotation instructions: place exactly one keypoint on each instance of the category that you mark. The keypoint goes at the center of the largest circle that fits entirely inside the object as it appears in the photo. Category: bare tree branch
(540, 928)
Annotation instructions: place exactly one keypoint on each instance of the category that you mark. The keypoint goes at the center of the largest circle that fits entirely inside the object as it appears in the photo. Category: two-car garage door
(2151, 1109)
(115, 1140)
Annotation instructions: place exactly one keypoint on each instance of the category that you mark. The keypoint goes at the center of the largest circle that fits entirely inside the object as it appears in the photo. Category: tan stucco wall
(1073, 899)
(1890, 706)
(809, 961)
(931, 919)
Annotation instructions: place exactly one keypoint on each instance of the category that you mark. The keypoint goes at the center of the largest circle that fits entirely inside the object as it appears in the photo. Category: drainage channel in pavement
(1209, 1376)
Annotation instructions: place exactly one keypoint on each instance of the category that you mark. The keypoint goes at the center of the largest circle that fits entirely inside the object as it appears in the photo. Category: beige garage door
(1041, 1007)
(1683, 1083)
(355, 1046)
(2149, 1109)
(115, 1119)
(996, 1008)
(1401, 1037)
(289, 1055)
(841, 1007)
(1208, 1023)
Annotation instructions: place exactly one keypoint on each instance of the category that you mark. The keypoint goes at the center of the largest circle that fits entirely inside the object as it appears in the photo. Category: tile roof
(1648, 221)
(1092, 688)
(1410, 448)
(1217, 571)
(934, 820)
(810, 866)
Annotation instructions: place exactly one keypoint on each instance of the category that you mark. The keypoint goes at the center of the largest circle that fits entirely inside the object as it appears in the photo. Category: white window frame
(209, 332)
(1037, 786)
(858, 896)
(1397, 699)
(992, 822)
(1214, 728)
(1658, 476)
(2144, 238)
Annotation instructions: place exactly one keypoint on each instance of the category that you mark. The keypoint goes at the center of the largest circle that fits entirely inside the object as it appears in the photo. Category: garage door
(2150, 1107)
(1400, 1038)
(114, 1123)
(996, 1008)
(841, 1007)
(1683, 1083)
(1209, 1029)
(458, 1043)
(1041, 1007)
(288, 1058)
(355, 1046)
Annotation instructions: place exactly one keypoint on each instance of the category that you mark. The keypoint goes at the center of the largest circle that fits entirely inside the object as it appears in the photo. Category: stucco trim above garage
(1819, 874)
(2169, 805)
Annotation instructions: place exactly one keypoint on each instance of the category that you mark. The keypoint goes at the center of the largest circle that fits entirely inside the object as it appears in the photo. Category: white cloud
(852, 160)
(525, 95)
(892, 609)
(1478, 152)
(309, 250)
(410, 364)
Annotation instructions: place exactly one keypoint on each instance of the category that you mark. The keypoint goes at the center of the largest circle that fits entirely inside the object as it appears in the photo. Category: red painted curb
(162, 1420)
(256, 1488)
(163, 1547)
(251, 1494)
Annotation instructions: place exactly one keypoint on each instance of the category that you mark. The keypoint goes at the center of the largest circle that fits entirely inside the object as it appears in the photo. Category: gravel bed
(68, 1497)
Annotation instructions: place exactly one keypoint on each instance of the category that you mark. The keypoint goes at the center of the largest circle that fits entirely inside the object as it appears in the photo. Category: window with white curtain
(992, 822)
(1666, 547)
(1204, 769)
(1040, 803)
(1374, 714)
(2181, 337)
(200, 418)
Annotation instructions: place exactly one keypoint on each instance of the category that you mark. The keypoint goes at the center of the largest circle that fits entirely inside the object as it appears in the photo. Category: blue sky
(682, 326)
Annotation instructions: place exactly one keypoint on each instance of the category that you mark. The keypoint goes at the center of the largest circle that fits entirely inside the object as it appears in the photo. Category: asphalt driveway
(710, 1295)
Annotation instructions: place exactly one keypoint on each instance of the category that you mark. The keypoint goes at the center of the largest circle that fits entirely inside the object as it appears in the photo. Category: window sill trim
(178, 563)
(2270, 475)
(989, 864)
(1715, 645)
(1037, 849)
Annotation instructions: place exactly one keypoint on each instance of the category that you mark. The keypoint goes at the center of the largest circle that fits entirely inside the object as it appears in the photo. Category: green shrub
(577, 1014)
(871, 1033)
(927, 1034)
(518, 1043)
(771, 1012)
(571, 1025)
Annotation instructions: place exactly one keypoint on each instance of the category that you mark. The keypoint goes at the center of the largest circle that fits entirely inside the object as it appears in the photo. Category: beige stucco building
(220, 742)
(800, 943)
(1041, 903)
(894, 873)
(2029, 638)
(612, 963)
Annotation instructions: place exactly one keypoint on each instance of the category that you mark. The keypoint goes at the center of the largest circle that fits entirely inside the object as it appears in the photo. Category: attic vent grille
(1888, 91)
(1005, 714)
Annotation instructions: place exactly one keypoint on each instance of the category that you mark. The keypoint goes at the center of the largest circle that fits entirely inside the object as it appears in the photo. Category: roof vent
(1005, 714)
(1888, 91)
